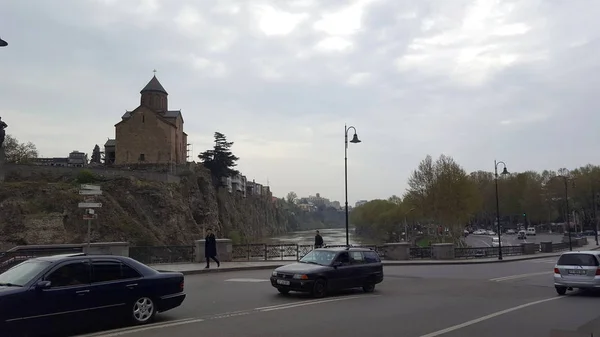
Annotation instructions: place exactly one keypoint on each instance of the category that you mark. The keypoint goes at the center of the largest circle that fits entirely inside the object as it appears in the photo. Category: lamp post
(499, 229)
(566, 180)
(3, 43)
(354, 140)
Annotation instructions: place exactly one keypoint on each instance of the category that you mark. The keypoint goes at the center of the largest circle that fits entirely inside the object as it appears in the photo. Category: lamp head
(355, 139)
(505, 171)
(3, 43)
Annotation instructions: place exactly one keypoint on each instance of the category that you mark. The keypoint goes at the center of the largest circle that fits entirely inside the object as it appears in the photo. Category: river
(331, 236)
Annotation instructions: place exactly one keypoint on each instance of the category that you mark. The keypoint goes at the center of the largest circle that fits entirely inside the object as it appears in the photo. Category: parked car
(511, 231)
(480, 232)
(490, 232)
(531, 231)
(48, 292)
(328, 269)
(577, 270)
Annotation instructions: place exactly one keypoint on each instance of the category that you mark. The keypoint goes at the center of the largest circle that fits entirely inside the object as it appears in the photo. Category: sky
(472, 79)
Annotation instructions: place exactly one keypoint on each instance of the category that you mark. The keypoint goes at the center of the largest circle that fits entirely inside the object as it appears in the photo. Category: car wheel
(320, 288)
(369, 286)
(561, 290)
(283, 291)
(143, 310)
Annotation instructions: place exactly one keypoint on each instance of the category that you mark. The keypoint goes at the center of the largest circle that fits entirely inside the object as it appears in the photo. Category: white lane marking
(301, 304)
(286, 304)
(130, 330)
(250, 280)
(485, 318)
(520, 276)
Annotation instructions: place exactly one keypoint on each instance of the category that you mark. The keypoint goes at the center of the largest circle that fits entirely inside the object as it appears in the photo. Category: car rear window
(587, 260)
(371, 257)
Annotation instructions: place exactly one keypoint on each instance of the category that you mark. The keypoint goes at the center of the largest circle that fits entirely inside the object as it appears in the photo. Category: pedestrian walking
(210, 248)
(318, 240)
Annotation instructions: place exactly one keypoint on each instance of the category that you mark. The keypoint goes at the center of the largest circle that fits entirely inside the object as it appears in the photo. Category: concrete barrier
(397, 251)
(442, 251)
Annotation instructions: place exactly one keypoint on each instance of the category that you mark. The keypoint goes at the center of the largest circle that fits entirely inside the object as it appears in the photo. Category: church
(149, 134)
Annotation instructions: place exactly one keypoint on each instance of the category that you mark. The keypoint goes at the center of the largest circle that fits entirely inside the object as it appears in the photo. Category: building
(75, 159)
(360, 203)
(149, 134)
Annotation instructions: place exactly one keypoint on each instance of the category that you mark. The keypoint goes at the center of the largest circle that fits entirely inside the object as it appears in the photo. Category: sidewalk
(198, 268)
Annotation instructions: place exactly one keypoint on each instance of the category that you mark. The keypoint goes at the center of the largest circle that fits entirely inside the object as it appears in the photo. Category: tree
(19, 153)
(96, 157)
(220, 160)
(292, 197)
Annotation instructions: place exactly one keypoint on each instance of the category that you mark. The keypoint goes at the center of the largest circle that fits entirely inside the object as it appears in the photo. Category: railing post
(297, 252)
(266, 250)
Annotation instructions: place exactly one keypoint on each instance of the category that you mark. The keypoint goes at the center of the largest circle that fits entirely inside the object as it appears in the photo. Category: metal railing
(484, 252)
(163, 254)
(420, 253)
(282, 252)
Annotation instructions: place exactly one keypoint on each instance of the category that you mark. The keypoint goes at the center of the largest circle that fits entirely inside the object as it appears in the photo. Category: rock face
(42, 209)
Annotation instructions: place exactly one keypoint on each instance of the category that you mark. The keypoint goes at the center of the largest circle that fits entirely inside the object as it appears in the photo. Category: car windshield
(322, 257)
(586, 260)
(22, 273)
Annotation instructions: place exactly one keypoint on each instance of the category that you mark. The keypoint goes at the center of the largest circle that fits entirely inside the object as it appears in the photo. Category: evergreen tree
(220, 161)
(96, 155)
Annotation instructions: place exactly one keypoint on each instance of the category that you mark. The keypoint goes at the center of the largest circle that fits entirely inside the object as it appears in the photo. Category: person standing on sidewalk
(318, 240)
(210, 248)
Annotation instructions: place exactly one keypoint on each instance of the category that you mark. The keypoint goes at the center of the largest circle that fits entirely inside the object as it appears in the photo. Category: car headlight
(274, 273)
(300, 277)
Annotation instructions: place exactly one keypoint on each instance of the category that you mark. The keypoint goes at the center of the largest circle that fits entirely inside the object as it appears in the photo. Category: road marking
(305, 303)
(516, 277)
(250, 280)
(286, 304)
(490, 316)
(130, 330)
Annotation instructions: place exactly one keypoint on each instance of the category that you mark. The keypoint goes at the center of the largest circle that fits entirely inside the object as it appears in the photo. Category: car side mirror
(41, 285)
(336, 264)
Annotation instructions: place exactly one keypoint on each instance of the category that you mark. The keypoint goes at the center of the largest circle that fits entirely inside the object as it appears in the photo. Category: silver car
(577, 270)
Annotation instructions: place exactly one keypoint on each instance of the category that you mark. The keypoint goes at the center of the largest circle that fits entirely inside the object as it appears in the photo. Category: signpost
(89, 193)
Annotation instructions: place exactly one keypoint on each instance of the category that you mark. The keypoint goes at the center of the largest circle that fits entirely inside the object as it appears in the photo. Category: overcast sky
(515, 81)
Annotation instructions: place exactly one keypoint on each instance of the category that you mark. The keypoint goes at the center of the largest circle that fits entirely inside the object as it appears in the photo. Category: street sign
(90, 205)
(89, 198)
(90, 187)
(90, 216)
(90, 192)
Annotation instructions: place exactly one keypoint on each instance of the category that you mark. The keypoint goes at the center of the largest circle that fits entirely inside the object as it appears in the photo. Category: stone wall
(33, 171)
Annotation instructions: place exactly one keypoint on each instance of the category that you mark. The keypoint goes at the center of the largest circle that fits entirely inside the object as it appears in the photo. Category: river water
(331, 236)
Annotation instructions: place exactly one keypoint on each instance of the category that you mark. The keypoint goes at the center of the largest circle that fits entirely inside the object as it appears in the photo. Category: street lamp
(3, 43)
(504, 171)
(566, 180)
(354, 140)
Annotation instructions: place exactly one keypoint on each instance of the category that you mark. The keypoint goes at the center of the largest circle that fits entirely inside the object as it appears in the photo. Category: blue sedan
(46, 292)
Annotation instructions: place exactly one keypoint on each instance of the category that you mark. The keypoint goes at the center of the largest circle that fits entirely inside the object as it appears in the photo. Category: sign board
(89, 198)
(90, 192)
(90, 187)
(90, 216)
(90, 205)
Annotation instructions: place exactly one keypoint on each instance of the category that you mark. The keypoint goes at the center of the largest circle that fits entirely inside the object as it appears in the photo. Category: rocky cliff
(40, 207)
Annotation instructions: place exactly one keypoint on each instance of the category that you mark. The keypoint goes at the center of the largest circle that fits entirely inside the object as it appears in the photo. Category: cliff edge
(39, 205)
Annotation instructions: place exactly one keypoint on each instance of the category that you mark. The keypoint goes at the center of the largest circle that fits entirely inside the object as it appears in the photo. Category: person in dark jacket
(210, 248)
(318, 240)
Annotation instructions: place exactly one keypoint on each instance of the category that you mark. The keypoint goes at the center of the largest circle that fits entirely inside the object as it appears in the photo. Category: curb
(225, 270)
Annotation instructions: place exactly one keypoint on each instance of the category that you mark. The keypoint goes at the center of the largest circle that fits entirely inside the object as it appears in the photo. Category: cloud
(474, 79)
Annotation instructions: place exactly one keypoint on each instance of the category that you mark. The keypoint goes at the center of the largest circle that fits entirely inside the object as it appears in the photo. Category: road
(492, 300)
(511, 240)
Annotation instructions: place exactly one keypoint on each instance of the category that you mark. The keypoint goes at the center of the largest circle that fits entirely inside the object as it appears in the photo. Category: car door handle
(132, 285)
(82, 292)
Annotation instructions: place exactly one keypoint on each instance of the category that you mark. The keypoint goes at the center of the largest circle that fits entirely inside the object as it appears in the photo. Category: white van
(531, 231)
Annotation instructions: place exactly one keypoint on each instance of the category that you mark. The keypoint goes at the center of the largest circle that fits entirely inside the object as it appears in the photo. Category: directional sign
(90, 205)
(90, 187)
(90, 216)
(90, 192)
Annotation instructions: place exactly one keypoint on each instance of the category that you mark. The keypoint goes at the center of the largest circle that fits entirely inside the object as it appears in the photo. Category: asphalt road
(492, 300)
(510, 240)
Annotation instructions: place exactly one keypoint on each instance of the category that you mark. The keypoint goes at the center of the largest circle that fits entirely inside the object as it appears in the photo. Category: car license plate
(576, 272)
(283, 282)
